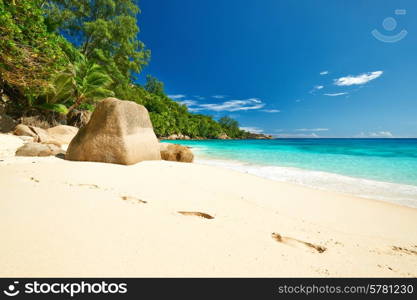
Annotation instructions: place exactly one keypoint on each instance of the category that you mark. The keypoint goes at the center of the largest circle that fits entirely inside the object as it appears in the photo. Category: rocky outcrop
(257, 136)
(174, 152)
(177, 137)
(38, 134)
(224, 136)
(7, 124)
(37, 149)
(173, 137)
(62, 134)
(58, 135)
(118, 132)
(260, 136)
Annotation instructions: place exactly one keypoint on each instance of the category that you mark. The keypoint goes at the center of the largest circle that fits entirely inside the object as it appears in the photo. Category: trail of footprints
(405, 250)
(276, 236)
(286, 240)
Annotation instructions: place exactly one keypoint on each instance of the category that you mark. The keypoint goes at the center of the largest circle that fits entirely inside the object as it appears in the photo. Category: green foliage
(154, 86)
(231, 127)
(106, 31)
(169, 117)
(29, 54)
(54, 107)
(82, 82)
(49, 74)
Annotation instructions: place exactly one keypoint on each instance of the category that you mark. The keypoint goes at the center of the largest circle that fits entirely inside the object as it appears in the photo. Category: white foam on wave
(391, 192)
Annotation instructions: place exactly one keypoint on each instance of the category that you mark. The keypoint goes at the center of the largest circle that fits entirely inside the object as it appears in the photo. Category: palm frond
(81, 82)
(59, 108)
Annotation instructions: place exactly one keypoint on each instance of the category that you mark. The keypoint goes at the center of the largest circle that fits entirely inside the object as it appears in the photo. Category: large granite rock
(36, 149)
(174, 152)
(118, 132)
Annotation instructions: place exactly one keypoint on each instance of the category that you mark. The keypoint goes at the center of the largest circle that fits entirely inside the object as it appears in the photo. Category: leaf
(59, 108)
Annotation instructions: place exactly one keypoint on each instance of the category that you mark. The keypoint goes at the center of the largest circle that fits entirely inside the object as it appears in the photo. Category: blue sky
(305, 68)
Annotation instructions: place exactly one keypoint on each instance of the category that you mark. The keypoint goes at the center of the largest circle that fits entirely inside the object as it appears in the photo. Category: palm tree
(81, 82)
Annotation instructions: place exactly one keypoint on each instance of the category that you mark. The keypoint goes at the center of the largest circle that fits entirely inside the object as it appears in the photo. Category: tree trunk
(77, 103)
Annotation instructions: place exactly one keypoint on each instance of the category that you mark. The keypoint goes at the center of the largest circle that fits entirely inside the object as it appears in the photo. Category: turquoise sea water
(368, 161)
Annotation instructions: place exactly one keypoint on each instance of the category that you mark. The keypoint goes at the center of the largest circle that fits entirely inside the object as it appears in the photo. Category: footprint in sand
(133, 200)
(34, 179)
(91, 186)
(196, 214)
(386, 266)
(296, 243)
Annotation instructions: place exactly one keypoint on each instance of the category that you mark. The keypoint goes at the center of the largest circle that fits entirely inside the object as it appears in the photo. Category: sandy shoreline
(73, 219)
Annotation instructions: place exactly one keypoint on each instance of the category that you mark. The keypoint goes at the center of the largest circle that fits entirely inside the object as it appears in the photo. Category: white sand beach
(78, 219)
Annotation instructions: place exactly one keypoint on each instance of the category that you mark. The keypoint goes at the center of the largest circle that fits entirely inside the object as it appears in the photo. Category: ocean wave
(385, 191)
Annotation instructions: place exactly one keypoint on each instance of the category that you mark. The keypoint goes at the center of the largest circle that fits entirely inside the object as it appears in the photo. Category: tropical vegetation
(60, 56)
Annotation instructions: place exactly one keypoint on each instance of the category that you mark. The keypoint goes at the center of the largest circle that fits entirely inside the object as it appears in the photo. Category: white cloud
(200, 97)
(178, 96)
(188, 102)
(324, 73)
(336, 94)
(271, 110)
(378, 134)
(234, 105)
(297, 135)
(316, 88)
(312, 129)
(252, 129)
(194, 109)
(357, 80)
(231, 105)
(219, 96)
(298, 100)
